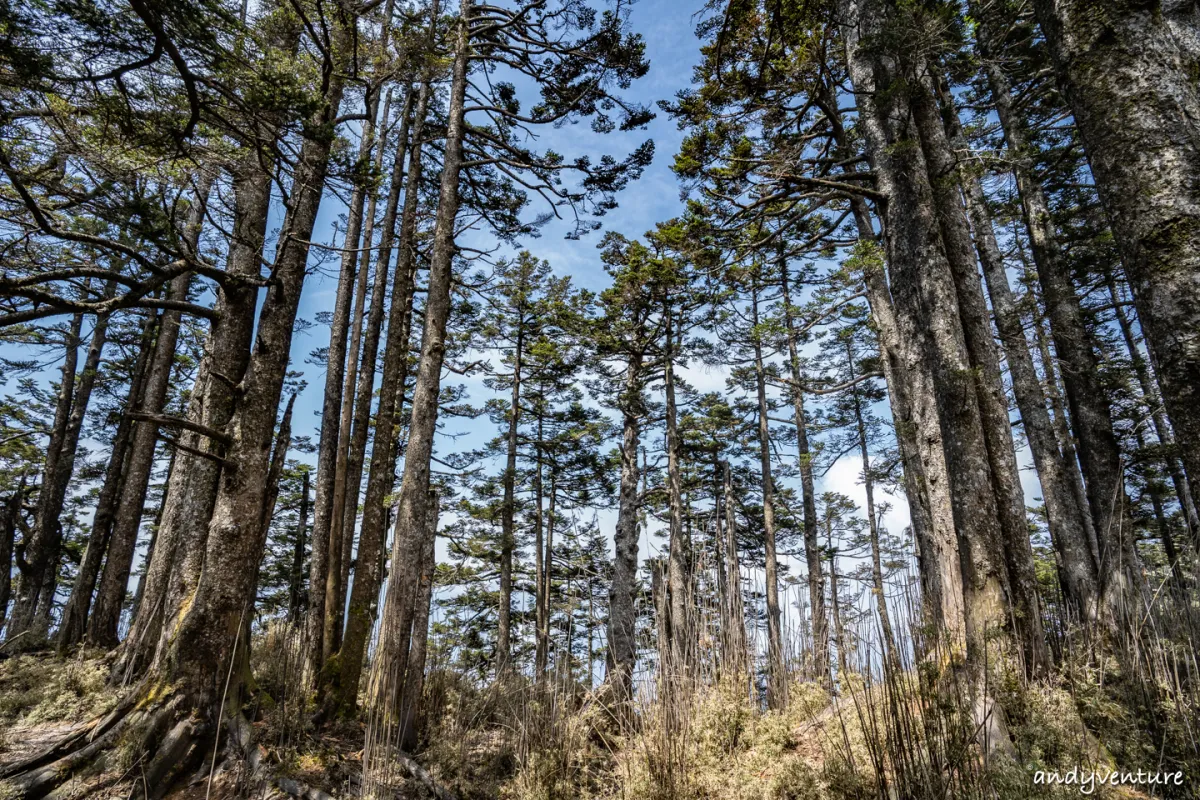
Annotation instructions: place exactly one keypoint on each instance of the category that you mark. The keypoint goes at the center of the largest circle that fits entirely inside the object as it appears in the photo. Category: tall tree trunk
(541, 654)
(325, 581)
(812, 548)
(944, 389)
(736, 614)
(777, 678)
(365, 388)
(926, 483)
(177, 561)
(839, 631)
(387, 668)
(110, 597)
(622, 597)
(43, 545)
(1119, 568)
(1066, 519)
(945, 180)
(678, 580)
(339, 530)
(1130, 82)
(508, 540)
(414, 680)
(296, 584)
(8, 529)
(74, 618)
(380, 478)
(1162, 428)
(878, 588)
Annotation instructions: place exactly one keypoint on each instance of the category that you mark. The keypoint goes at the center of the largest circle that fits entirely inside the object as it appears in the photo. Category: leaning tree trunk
(1066, 519)
(44, 542)
(1130, 81)
(110, 597)
(1118, 564)
(388, 666)
(74, 618)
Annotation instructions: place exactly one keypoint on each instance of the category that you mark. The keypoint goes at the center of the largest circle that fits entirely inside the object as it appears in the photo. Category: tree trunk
(740, 656)
(1066, 520)
(1130, 82)
(541, 654)
(74, 618)
(678, 580)
(296, 585)
(368, 574)
(1119, 569)
(42, 548)
(414, 681)
(1162, 428)
(507, 535)
(777, 679)
(387, 668)
(325, 580)
(812, 549)
(110, 597)
(8, 529)
(622, 597)
(365, 388)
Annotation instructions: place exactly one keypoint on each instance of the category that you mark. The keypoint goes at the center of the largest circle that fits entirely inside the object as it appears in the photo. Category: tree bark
(1129, 78)
(414, 680)
(777, 678)
(74, 618)
(678, 580)
(343, 682)
(622, 597)
(296, 585)
(1066, 520)
(387, 669)
(105, 619)
(1118, 565)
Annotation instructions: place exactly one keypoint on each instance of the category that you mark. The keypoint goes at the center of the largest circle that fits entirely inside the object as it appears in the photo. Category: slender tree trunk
(542, 648)
(368, 575)
(365, 389)
(507, 535)
(1119, 567)
(839, 631)
(387, 668)
(42, 548)
(414, 681)
(8, 529)
(1129, 79)
(110, 597)
(622, 597)
(878, 587)
(74, 618)
(296, 586)
(736, 614)
(677, 572)
(325, 582)
(1066, 519)
(777, 678)
(1162, 428)
(812, 549)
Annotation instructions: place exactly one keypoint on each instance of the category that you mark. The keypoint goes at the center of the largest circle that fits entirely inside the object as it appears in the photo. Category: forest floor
(511, 743)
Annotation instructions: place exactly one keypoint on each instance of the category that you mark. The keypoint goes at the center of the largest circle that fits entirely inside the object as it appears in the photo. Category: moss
(36, 690)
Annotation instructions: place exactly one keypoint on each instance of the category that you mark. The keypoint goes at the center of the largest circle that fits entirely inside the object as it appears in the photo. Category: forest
(548, 399)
